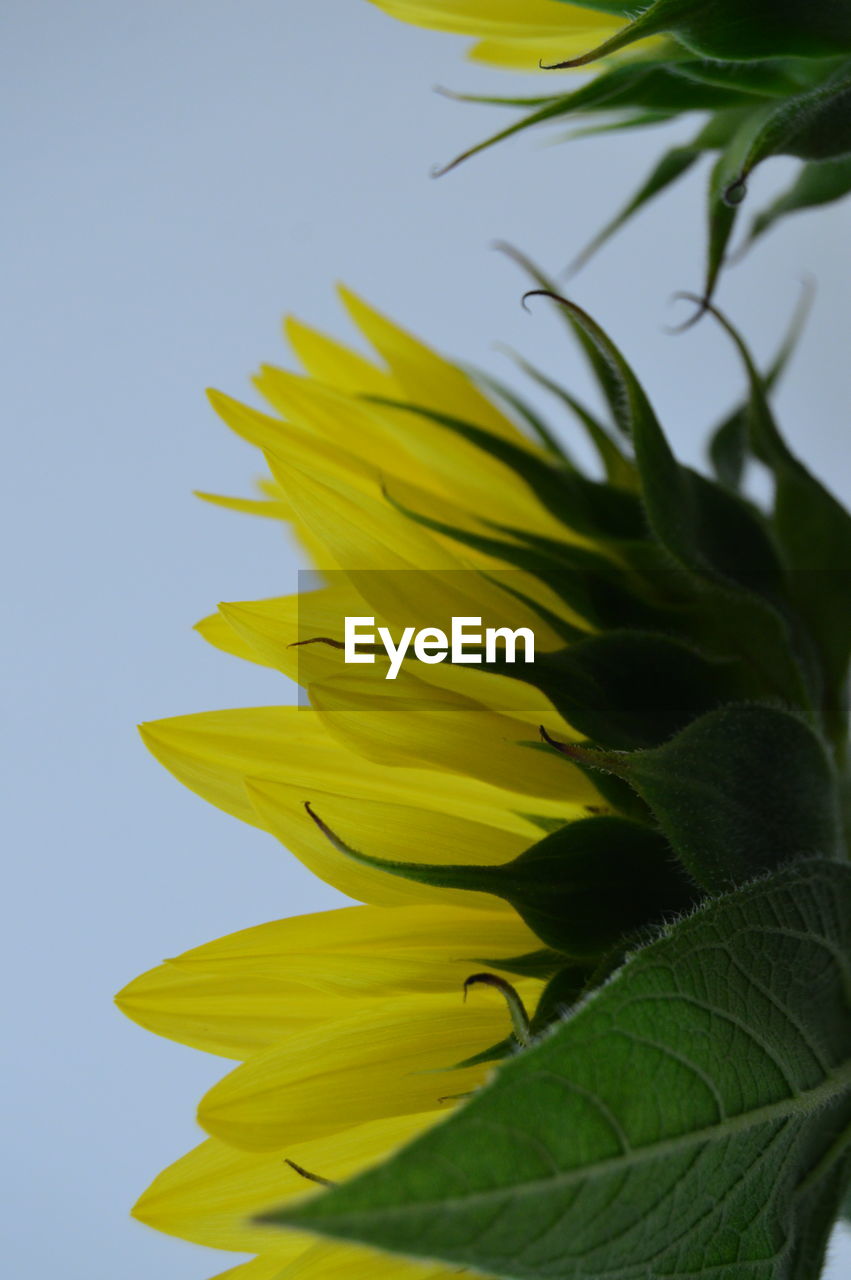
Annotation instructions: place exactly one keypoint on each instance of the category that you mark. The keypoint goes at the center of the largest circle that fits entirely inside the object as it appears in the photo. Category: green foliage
(793, 98)
(693, 1117)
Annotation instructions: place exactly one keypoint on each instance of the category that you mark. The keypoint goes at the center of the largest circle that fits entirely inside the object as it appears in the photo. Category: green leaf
(579, 890)
(677, 1125)
(738, 792)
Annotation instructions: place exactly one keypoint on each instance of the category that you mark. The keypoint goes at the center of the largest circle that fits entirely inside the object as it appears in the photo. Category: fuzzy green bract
(692, 1118)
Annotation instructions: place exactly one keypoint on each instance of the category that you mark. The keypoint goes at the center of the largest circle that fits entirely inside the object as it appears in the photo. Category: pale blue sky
(177, 176)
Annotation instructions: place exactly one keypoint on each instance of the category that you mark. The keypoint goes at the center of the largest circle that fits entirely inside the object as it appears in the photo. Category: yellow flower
(344, 1024)
(514, 33)
(349, 1026)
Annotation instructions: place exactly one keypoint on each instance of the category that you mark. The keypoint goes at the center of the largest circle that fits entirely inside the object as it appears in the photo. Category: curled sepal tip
(308, 1176)
(610, 761)
(653, 21)
(520, 1023)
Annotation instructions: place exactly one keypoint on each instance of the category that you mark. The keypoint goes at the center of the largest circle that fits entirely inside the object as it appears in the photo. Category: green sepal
(615, 792)
(728, 30)
(637, 85)
(719, 537)
(814, 125)
(524, 411)
(672, 166)
(494, 1053)
(715, 135)
(738, 793)
(707, 1084)
(619, 468)
(819, 182)
(728, 445)
(722, 210)
(578, 576)
(559, 996)
(533, 964)
(728, 450)
(579, 890)
(703, 526)
(628, 689)
(595, 508)
(814, 532)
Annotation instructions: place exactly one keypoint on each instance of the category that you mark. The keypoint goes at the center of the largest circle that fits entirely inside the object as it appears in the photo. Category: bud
(731, 30)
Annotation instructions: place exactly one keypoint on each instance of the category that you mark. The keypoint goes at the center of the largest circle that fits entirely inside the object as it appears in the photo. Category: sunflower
(486, 859)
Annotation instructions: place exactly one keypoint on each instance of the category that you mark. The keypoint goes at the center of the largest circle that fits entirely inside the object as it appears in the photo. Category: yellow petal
(415, 948)
(393, 1058)
(427, 378)
(218, 631)
(404, 721)
(327, 1261)
(274, 509)
(530, 18)
(265, 1268)
(525, 53)
(357, 528)
(223, 1015)
(265, 631)
(294, 443)
(330, 415)
(213, 753)
(212, 1193)
(335, 364)
(409, 446)
(244, 992)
